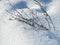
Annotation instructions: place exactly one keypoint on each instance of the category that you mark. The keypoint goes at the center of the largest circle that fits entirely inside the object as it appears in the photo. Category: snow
(13, 33)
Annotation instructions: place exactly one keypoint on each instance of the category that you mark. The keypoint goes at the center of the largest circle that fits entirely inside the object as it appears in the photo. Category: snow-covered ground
(13, 33)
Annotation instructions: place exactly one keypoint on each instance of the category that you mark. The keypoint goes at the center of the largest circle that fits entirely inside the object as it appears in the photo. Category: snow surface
(13, 33)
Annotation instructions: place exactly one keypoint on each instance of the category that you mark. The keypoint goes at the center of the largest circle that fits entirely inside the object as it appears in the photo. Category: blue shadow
(45, 1)
(20, 5)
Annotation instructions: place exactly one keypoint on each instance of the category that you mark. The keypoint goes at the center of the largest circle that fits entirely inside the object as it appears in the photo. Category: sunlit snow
(13, 33)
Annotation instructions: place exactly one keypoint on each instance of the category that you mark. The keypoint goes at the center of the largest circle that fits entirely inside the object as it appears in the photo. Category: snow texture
(13, 33)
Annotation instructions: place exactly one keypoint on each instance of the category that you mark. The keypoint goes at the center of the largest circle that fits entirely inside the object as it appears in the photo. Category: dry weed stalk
(46, 14)
(31, 22)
